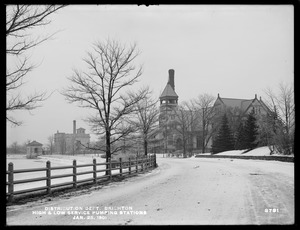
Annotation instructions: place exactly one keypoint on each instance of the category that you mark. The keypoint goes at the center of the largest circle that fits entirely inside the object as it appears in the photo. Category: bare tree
(186, 120)
(204, 105)
(51, 143)
(147, 117)
(20, 21)
(283, 109)
(110, 70)
(15, 148)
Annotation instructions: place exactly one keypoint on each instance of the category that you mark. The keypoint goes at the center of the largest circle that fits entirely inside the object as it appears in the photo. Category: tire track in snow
(183, 191)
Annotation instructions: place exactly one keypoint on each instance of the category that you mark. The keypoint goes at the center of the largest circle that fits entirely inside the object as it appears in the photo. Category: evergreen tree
(251, 131)
(224, 140)
(240, 142)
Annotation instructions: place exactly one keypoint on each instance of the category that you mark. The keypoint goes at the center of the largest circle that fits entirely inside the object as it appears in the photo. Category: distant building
(74, 143)
(242, 106)
(34, 148)
(238, 109)
(167, 139)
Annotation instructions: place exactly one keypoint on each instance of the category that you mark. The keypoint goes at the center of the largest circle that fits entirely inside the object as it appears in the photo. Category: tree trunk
(108, 153)
(145, 147)
(184, 149)
(203, 131)
(203, 144)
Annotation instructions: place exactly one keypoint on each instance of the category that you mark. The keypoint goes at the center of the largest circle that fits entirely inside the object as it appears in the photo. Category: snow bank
(232, 152)
(261, 151)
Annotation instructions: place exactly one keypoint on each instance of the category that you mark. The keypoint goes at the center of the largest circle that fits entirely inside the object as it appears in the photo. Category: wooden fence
(124, 168)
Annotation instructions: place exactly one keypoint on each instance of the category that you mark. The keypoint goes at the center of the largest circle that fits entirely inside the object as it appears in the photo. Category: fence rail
(130, 167)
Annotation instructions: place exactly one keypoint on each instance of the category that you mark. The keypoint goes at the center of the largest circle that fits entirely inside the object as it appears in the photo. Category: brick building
(71, 143)
(167, 139)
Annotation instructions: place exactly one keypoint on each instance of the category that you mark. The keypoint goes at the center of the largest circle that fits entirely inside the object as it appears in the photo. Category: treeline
(275, 129)
(16, 148)
(245, 137)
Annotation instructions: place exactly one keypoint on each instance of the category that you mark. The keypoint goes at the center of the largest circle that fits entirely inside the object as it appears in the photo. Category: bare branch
(20, 19)
(110, 70)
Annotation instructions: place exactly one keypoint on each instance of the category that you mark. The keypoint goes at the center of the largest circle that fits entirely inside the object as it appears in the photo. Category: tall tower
(168, 103)
(169, 98)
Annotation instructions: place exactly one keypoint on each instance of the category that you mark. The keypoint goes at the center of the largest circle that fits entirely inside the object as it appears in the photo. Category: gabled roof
(34, 143)
(233, 102)
(168, 92)
(243, 104)
(265, 106)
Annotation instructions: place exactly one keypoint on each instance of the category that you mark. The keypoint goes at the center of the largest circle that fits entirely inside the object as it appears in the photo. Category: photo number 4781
(272, 210)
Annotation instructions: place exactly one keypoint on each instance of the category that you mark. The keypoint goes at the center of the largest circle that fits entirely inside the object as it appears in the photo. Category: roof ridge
(168, 91)
(34, 143)
(236, 98)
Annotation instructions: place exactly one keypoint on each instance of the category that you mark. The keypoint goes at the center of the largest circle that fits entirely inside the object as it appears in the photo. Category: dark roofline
(243, 100)
(251, 104)
(34, 143)
(168, 96)
(236, 99)
(264, 104)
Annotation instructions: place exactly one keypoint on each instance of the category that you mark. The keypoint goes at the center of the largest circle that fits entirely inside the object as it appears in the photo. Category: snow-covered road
(193, 191)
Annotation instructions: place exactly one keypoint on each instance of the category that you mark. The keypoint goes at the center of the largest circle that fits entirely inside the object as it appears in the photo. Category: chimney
(171, 79)
(74, 127)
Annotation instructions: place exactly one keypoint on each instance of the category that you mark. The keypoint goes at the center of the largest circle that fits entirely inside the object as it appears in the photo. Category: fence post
(137, 165)
(11, 181)
(74, 174)
(110, 167)
(146, 164)
(154, 160)
(48, 175)
(129, 166)
(94, 171)
(121, 166)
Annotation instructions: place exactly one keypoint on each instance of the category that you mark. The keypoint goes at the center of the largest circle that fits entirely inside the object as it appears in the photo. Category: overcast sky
(236, 51)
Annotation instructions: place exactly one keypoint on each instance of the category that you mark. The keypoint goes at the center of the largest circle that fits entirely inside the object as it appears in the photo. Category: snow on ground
(188, 191)
(21, 162)
(260, 151)
(231, 153)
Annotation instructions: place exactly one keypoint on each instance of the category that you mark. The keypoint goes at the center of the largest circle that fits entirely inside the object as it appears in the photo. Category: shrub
(31, 155)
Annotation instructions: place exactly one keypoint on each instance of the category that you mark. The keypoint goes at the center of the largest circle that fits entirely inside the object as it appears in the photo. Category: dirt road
(192, 191)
